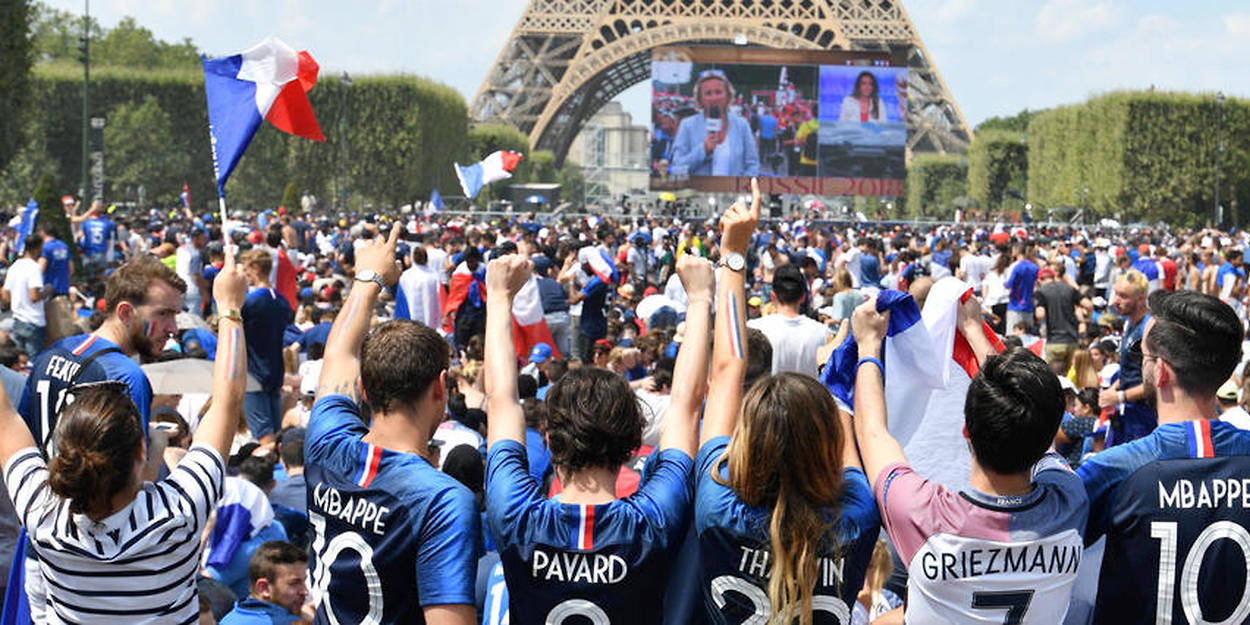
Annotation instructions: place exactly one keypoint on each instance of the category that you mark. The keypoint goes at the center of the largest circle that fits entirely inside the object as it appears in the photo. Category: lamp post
(1219, 154)
(84, 46)
(347, 83)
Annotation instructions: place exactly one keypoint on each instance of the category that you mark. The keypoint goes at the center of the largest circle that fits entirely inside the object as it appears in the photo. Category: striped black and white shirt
(137, 566)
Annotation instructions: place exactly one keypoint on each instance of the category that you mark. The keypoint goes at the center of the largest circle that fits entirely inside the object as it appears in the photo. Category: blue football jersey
(57, 274)
(97, 235)
(734, 551)
(60, 366)
(575, 563)
(391, 534)
(1175, 507)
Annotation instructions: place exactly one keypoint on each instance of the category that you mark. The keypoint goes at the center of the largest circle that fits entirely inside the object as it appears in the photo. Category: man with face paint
(142, 298)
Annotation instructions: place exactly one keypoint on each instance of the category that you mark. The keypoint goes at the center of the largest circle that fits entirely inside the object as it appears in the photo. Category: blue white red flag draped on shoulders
(269, 81)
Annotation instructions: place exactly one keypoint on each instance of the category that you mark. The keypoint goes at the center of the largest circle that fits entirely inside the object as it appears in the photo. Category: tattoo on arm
(348, 388)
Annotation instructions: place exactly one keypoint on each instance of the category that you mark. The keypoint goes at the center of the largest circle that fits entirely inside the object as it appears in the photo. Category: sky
(996, 56)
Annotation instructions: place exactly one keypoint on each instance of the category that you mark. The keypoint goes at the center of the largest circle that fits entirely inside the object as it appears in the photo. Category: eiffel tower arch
(567, 58)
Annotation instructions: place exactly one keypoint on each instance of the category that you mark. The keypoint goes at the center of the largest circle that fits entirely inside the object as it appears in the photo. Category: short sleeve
(26, 477)
(197, 481)
(665, 493)
(332, 416)
(509, 488)
(909, 506)
(447, 554)
(858, 505)
(1102, 475)
(140, 389)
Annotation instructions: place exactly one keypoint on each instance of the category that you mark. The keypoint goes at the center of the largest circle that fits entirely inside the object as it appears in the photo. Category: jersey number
(327, 554)
(1016, 602)
(763, 609)
(48, 408)
(1166, 532)
(577, 607)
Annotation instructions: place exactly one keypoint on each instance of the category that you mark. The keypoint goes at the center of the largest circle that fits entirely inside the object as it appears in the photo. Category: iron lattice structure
(566, 58)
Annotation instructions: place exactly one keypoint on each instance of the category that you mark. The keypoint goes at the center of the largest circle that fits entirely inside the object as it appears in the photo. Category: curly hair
(592, 420)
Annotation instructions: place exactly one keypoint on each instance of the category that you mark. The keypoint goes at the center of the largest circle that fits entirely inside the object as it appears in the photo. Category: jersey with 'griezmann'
(735, 556)
(138, 565)
(1175, 507)
(605, 563)
(391, 534)
(973, 557)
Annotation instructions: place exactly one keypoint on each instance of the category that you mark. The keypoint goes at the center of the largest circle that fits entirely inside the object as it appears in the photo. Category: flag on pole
(498, 166)
(26, 226)
(269, 81)
(436, 200)
(185, 196)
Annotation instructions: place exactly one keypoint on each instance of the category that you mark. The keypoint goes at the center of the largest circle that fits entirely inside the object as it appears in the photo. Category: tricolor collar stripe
(371, 456)
(1200, 445)
(85, 344)
(586, 527)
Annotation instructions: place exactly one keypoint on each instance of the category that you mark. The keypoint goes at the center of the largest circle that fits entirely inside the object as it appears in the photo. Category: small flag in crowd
(529, 327)
(498, 166)
(269, 81)
(185, 196)
(27, 224)
(436, 200)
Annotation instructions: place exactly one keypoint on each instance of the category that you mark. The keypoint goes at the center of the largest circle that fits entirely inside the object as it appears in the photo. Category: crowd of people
(452, 419)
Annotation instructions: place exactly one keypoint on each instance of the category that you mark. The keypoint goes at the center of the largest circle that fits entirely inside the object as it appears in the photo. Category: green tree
(290, 199)
(997, 162)
(51, 212)
(1013, 123)
(55, 33)
(572, 182)
(16, 57)
(130, 45)
(934, 182)
(140, 149)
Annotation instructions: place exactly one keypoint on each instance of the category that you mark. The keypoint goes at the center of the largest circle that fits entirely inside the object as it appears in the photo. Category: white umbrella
(184, 376)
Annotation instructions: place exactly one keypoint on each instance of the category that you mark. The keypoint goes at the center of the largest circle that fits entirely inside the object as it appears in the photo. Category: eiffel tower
(566, 58)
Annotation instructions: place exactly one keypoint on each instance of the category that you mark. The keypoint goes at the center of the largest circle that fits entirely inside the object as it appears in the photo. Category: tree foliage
(290, 199)
(1149, 156)
(934, 182)
(1011, 123)
(51, 212)
(16, 57)
(997, 161)
(141, 149)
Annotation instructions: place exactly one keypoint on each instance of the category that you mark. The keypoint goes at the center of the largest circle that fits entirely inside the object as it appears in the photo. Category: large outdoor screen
(805, 122)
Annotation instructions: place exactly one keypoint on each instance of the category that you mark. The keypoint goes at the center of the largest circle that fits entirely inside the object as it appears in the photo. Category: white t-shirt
(850, 258)
(1236, 416)
(23, 276)
(973, 267)
(653, 408)
(436, 259)
(794, 340)
(140, 561)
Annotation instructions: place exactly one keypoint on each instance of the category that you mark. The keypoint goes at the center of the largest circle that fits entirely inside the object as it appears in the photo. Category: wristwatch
(369, 275)
(231, 313)
(734, 261)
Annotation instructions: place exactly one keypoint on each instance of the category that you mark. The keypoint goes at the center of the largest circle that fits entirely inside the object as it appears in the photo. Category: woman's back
(735, 555)
(137, 565)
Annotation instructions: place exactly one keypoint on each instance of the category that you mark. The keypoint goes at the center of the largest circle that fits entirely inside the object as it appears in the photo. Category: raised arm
(230, 369)
(504, 278)
(680, 429)
(876, 446)
(729, 349)
(972, 324)
(340, 371)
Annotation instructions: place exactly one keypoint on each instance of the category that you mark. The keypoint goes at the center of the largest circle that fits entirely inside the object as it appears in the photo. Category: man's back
(391, 534)
(265, 316)
(794, 340)
(1059, 299)
(418, 296)
(77, 360)
(1021, 279)
(57, 274)
(1165, 502)
(973, 557)
(98, 233)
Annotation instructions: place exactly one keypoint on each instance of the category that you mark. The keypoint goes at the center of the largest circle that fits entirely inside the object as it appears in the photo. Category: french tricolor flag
(465, 284)
(267, 82)
(529, 327)
(916, 345)
(498, 166)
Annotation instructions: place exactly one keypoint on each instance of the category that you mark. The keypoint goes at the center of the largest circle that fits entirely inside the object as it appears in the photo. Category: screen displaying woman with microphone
(715, 141)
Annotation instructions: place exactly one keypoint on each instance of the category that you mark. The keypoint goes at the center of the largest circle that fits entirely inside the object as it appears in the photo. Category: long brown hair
(786, 455)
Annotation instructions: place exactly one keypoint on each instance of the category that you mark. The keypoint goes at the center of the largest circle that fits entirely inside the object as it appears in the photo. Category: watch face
(735, 262)
(366, 274)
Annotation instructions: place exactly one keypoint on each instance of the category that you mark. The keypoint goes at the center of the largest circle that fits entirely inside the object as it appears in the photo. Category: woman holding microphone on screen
(714, 141)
